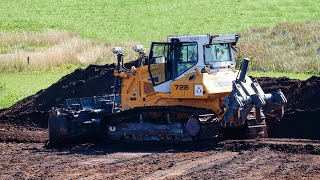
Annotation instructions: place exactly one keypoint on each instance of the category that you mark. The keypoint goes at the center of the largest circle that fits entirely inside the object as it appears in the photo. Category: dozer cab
(185, 90)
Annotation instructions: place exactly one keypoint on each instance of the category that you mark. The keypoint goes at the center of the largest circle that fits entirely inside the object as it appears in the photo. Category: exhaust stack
(243, 70)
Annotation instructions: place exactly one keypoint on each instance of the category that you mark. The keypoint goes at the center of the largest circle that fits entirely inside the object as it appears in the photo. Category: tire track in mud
(97, 168)
(90, 161)
(184, 167)
(137, 167)
(261, 164)
(246, 164)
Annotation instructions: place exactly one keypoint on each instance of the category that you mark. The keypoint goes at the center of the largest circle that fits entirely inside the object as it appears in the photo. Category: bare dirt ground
(249, 159)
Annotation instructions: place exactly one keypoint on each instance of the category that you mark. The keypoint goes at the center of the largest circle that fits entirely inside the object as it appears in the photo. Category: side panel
(201, 90)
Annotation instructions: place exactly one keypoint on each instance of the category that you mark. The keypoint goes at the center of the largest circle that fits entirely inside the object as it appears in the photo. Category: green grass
(16, 86)
(150, 20)
(301, 76)
(26, 47)
(25, 51)
(287, 47)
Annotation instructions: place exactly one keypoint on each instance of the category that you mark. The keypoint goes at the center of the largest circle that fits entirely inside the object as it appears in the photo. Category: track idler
(58, 127)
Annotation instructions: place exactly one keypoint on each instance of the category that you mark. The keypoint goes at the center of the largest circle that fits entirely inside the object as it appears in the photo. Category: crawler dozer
(186, 89)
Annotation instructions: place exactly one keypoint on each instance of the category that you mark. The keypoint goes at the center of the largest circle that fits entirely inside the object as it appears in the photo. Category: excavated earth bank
(301, 119)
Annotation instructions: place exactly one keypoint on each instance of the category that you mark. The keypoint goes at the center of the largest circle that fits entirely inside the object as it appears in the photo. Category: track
(253, 159)
(161, 123)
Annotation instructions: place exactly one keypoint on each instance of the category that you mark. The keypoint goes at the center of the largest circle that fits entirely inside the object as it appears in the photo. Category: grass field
(301, 76)
(47, 32)
(16, 86)
(144, 21)
(287, 47)
(28, 51)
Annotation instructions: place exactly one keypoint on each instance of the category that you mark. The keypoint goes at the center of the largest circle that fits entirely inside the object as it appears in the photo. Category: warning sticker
(198, 90)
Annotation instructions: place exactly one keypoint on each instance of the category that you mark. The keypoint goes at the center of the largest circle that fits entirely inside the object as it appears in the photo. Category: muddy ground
(250, 159)
(23, 134)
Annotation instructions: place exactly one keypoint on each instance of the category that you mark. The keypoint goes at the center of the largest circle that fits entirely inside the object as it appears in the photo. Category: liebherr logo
(222, 83)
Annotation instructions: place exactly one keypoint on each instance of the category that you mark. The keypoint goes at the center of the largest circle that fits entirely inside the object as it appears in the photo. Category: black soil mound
(300, 94)
(302, 114)
(33, 110)
(301, 119)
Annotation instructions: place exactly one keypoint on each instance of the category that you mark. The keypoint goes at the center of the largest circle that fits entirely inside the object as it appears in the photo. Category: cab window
(186, 55)
(167, 61)
(217, 53)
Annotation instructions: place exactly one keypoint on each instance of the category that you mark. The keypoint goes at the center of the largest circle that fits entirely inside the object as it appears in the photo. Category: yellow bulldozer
(186, 89)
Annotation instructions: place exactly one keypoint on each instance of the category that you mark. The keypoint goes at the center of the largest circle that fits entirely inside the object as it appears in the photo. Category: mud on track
(253, 159)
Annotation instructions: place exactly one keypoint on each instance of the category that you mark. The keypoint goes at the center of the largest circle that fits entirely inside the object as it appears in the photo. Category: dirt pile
(300, 94)
(91, 81)
(32, 111)
(300, 119)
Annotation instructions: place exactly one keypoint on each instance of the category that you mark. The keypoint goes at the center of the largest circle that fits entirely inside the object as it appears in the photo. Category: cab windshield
(217, 53)
(167, 61)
